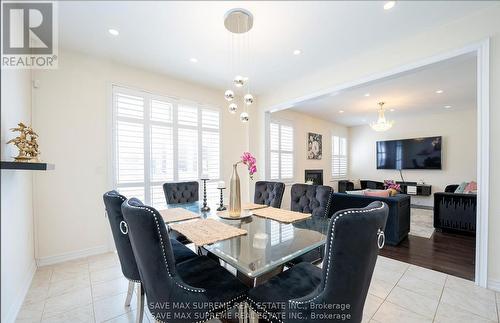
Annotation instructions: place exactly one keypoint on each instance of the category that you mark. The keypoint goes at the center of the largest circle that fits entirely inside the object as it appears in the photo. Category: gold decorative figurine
(27, 144)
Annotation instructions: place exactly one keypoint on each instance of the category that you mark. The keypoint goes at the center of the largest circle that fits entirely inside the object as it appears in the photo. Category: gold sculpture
(27, 144)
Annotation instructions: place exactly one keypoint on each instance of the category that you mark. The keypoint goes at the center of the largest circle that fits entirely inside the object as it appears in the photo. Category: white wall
(302, 124)
(71, 113)
(459, 132)
(18, 261)
(442, 39)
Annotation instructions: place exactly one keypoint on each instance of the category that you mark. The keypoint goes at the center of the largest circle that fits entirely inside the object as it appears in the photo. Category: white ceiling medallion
(239, 22)
(382, 124)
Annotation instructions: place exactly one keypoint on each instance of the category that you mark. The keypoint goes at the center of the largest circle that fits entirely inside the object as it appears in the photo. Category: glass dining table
(268, 244)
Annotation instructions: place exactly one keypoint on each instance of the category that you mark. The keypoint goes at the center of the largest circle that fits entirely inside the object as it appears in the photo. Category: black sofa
(455, 212)
(349, 186)
(398, 222)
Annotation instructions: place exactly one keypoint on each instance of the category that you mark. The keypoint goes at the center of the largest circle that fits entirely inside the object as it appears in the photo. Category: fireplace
(314, 175)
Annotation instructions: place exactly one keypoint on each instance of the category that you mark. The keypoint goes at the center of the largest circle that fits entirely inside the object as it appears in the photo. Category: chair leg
(243, 313)
(140, 303)
(130, 292)
(253, 317)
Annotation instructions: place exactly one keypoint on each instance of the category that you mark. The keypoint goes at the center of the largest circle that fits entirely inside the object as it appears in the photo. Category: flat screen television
(416, 153)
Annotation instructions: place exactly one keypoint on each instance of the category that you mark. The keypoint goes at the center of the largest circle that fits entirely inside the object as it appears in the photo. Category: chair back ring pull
(380, 239)
(123, 227)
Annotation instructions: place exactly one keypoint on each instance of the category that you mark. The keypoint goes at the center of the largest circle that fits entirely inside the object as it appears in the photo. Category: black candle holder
(221, 206)
(205, 207)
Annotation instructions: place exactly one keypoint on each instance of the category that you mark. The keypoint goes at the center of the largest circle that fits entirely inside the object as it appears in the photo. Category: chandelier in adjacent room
(239, 22)
(382, 124)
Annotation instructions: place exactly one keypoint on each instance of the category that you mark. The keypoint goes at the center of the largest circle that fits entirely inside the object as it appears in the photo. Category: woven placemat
(281, 215)
(207, 231)
(252, 206)
(177, 214)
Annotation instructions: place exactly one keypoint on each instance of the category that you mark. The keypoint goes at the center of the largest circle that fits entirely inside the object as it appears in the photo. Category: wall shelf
(26, 166)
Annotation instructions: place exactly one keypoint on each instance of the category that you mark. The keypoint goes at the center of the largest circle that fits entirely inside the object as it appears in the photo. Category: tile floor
(93, 290)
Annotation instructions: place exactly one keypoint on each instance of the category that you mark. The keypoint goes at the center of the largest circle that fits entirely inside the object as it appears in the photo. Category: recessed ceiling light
(389, 5)
(447, 106)
(113, 32)
(297, 52)
(367, 94)
(341, 111)
(392, 110)
(193, 60)
(439, 91)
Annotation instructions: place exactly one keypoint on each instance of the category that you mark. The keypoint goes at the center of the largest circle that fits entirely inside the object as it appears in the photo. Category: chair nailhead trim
(330, 249)
(257, 308)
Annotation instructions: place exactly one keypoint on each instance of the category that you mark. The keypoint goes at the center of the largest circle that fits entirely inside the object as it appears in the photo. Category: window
(158, 139)
(281, 156)
(339, 157)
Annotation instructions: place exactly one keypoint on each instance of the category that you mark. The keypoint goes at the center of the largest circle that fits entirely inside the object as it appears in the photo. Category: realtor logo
(29, 35)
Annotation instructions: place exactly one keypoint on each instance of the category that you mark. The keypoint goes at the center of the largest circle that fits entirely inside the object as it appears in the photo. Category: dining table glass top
(267, 244)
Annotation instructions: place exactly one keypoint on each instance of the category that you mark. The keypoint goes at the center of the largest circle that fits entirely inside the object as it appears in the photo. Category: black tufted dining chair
(337, 292)
(119, 228)
(314, 199)
(177, 292)
(181, 192)
(269, 193)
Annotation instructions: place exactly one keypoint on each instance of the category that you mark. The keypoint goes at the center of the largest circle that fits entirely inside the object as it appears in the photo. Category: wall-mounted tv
(416, 153)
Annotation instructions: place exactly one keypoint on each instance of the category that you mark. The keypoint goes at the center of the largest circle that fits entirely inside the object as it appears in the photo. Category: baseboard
(50, 260)
(12, 312)
(494, 285)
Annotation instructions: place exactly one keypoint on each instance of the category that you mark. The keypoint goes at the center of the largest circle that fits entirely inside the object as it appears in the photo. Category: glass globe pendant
(239, 81)
(232, 108)
(229, 95)
(248, 98)
(244, 117)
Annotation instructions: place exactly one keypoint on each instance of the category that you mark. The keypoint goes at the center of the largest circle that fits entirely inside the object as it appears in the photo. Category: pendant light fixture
(239, 22)
(382, 124)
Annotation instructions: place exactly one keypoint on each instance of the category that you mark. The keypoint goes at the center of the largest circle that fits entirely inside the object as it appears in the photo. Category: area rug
(421, 223)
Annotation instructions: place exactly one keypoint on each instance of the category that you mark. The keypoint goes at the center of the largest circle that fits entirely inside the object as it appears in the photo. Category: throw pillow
(377, 193)
(361, 192)
(471, 188)
(393, 192)
(460, 189)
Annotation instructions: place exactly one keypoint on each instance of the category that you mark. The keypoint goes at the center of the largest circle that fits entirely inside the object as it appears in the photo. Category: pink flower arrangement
(391, 185)
(249, 160)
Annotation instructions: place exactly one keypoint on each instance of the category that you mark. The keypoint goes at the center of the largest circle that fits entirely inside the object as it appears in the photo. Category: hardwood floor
(449, 253)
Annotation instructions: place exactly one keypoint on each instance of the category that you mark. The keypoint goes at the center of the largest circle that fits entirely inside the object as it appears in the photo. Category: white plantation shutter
(210, 139)
(162, 153)
(281, 151)
(286, 141)
(157, 139)
(129, 106)
(188, 154)
(339, 157)
(130, 151)
(187, 115)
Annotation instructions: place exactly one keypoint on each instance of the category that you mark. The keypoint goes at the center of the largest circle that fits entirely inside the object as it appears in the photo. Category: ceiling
(405, 94)
(163, 36)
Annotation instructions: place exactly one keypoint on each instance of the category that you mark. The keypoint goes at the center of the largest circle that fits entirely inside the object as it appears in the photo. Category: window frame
(280, 122)
(339, 176)
(147, 124)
